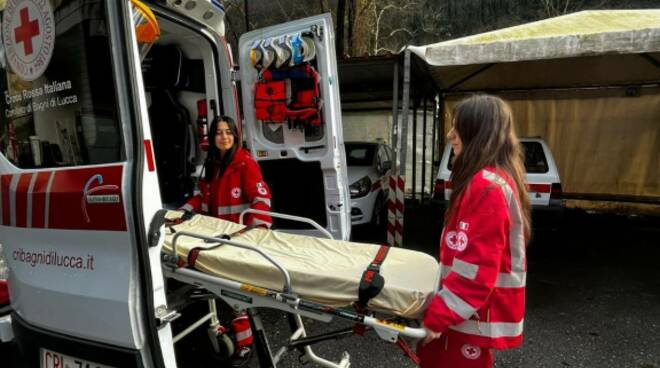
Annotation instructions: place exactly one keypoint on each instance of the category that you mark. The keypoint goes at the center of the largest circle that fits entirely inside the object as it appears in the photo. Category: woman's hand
(430, 336)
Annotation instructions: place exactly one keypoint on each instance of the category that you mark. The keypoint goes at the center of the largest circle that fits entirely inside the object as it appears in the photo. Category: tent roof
(585, 49)
(578, 34)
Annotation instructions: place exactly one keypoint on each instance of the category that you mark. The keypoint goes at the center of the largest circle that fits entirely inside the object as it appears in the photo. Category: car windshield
(535, 161)
(360, 154)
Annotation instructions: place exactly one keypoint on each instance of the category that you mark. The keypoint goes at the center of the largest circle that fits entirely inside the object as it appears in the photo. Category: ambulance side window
(58, 106)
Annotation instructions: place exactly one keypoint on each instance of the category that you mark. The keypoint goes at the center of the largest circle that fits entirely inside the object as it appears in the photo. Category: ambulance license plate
(52, 359)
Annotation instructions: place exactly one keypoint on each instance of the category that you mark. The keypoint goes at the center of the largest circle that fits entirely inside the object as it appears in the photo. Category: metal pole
(395, 112)
(403, 146)
(391, 197)
(405, 111)
(414, 149)
(433, 142)
(441, 124)
(423, 151)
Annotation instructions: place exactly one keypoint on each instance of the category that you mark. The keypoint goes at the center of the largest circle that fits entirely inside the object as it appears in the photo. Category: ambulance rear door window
(59, 104)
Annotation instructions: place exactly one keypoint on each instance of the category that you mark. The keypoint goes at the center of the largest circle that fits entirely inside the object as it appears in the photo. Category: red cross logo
(26, 31)
(471, 352)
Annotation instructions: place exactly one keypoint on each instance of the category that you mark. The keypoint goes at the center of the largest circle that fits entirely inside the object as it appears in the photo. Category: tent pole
(403, 147)
(423, 151)
(414, 149)
(394, 137)
(433, 142)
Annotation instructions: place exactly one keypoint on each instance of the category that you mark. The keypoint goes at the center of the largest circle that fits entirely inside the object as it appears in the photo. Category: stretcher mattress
(321, 270)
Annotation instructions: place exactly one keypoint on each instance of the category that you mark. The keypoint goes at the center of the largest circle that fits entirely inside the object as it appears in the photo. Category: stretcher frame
(247, 297)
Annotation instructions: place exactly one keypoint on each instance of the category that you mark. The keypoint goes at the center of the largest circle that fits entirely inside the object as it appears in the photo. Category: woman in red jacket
(232, 183)
(481, 302)
(232, 180)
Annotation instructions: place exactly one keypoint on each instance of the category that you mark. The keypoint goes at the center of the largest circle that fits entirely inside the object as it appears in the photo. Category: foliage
(372, 27)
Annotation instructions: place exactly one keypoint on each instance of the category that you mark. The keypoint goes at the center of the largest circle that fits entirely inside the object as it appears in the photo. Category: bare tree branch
(404, 30)
(385, 49)
(379, 16)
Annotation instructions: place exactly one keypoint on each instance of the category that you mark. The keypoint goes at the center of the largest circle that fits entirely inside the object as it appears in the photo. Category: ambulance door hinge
(154, 227)
(235, 76)
(165, 316)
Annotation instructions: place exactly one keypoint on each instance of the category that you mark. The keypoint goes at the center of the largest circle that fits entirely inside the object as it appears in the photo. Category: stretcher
(305, 276)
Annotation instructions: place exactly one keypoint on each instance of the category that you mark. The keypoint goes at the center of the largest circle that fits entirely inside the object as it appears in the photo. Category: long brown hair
(215, 163)
(484, 124)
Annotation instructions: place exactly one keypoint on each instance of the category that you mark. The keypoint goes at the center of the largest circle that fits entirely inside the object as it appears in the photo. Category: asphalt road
(593, 298)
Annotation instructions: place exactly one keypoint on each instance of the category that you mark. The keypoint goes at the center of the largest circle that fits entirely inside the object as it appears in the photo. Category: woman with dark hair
(232, 180)
(481, 302)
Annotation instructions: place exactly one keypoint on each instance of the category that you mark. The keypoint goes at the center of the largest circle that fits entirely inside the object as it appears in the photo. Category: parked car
(369, 167)
(542, 176)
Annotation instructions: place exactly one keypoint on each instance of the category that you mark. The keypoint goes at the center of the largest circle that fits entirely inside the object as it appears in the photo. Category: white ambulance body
(94, 141)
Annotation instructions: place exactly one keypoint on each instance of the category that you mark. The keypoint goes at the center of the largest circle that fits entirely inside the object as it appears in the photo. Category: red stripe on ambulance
(149, 152)
(99, 208)
(4, 198)
(21, 200)
(39, 199)
(80, 199)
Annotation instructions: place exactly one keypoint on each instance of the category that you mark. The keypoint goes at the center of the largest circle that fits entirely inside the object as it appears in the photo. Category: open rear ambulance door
(78, 188)
(292, 113)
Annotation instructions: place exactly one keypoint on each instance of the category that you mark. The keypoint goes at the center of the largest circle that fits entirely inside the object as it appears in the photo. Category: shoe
(241, 356)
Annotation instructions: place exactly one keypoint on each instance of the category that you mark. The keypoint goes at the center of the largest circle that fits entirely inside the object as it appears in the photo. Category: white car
(542, 176)
(369, 167)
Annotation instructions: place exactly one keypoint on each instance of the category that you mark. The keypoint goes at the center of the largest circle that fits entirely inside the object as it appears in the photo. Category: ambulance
(105, 109)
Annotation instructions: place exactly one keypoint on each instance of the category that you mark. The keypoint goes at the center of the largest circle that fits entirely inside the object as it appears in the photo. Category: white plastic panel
(272, 141)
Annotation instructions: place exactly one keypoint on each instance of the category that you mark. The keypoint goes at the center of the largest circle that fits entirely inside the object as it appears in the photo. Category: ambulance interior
(184, 87)
(183, 90)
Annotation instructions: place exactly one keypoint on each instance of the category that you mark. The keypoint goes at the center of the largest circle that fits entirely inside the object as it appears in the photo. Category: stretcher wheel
(224, 347)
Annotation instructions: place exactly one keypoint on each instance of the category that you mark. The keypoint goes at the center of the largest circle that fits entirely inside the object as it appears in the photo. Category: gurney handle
(287, 279)
(285, 217)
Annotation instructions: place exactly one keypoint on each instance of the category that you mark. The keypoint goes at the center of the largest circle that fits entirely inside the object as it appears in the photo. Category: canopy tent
(588, 83)
(589, 48)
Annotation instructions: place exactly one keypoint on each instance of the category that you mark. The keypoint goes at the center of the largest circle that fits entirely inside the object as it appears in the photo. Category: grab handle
(286, 217)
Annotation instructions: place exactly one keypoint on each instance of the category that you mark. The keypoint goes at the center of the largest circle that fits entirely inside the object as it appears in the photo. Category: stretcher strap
(372, 281)
(371, 284)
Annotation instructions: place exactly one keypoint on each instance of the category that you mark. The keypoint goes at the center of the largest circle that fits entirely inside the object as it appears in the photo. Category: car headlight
(360, 188)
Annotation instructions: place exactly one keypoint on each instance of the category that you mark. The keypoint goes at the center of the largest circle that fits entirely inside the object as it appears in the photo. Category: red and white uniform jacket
(240, 187)
(482, 254)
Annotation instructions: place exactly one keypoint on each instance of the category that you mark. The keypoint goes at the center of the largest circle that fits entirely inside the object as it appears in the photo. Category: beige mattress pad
(321, 270)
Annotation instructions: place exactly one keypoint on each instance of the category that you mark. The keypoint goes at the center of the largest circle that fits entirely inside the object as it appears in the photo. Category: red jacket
(240, 187)
(4, 293)
(482, 255)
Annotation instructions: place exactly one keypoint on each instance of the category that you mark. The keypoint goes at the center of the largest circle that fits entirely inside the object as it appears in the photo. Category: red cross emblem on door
(26, 31)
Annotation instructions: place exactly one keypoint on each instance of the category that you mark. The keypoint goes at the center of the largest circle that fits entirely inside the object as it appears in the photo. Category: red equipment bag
(271, 100)
(292, 95)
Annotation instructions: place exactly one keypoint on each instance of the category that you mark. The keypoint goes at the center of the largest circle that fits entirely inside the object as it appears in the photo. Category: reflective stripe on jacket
(240, 187)
(482, 255)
